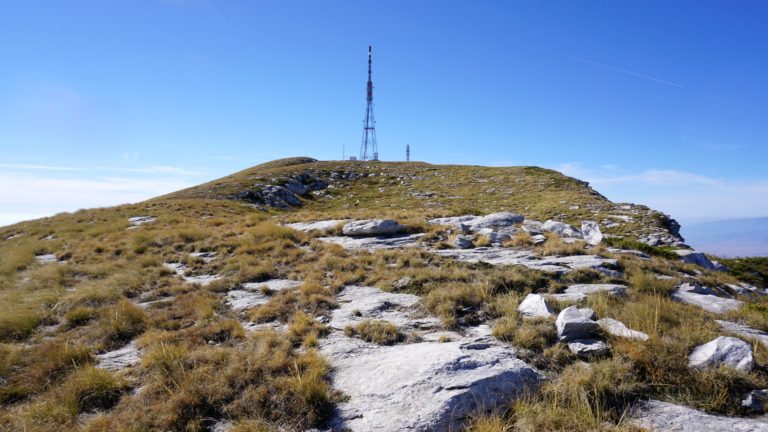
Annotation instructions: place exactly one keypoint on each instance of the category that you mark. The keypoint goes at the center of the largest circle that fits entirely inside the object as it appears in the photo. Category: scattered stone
(724, 350)
(591, 232)
(756, 401)
(256, 293)
(496, 220)
(323, 225)
(746, 289)
(181, 270)
(617, 328)
(579, 292)
(587, 347)
(463, 242)
(119, 359)
(655, 415)
(538, 239)
(534, 306)
(705, 298)
(372, 227)
(744, 331)
(575, 323)
(562, 229)
(46, 258)
(402, 283)
(205, 256)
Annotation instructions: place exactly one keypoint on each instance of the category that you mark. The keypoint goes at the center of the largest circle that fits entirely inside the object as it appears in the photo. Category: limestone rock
(360, 303)
(692, 257)
(561, 228)
(705, 298)
(538, 239)
(587, 347)
(496, 220)
(373, 243)
(580, 291)
(448, 380)
(756, 401)
(724, 350)
(463, 242)
(372, 227)
(256, 293)
(655, 415)
(534, 306)
(119, 359)
(575, 323)
(744, 331)
(508, 256)
(46, 258)
(323, 225)
(591, 232)
(617, 328)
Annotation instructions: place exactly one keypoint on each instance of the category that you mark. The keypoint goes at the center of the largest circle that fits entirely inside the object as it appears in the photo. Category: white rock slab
(373, 243)
(508, 256)
(744, 331)
(119, 359)
(705, 299)
(723, 350)
(360, 303)
(46, 258)
(580, 291)
(617, 328)
(426, 386)
(251, 294)
(323, 225)
(372, 227)
(181, 270)
(587, 347)
(534, 306)
(660, 416)
(562, 229)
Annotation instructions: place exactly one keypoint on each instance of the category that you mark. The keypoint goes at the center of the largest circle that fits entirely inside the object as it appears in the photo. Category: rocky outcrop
(372, 227)
(756, 401)
(476, 223)
(463, 242)
(373, 243)
(119, 359)
(576, 323)
(283, 193)
(534, 306)
(725, 351)
(507, 256)
(617, 328)
(660, 416)
(256, 293)
(182, 270)
(692, 257)
(323, 225)
(705, 298)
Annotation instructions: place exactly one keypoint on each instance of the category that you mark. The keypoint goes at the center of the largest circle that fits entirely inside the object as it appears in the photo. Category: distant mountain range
(729, 238)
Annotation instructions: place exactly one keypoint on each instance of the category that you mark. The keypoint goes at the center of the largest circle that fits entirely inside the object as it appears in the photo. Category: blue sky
(656, 102)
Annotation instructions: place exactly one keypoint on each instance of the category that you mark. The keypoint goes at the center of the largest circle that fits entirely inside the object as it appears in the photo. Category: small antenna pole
(407, 152)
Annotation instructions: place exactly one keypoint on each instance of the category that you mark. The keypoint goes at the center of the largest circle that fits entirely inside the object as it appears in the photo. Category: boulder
(575, 323)
(587, 347)
(617, 328)
(323, 225)
(538, 239)
(496, 220)
(591, 232)
(372, 227)
(463, 242)
(534, 306)
(690, 256)
(724, 350)
(756, 401)
(655, 415)
(561, 228)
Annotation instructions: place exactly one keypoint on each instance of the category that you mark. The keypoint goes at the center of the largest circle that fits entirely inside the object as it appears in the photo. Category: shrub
(378, 332)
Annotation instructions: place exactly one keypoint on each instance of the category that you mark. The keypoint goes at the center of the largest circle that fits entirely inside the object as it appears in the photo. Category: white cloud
(687, 196)
(25, 196)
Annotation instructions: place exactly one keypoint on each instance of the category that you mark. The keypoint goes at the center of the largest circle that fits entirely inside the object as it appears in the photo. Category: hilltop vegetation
(75, 287)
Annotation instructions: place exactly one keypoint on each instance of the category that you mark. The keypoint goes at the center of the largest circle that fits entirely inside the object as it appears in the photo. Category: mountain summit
(376, 296)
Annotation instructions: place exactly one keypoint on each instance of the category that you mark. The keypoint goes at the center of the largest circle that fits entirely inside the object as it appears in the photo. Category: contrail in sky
(605, 66)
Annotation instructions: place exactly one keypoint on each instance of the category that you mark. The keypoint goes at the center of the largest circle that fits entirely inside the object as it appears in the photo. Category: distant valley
(729, 238)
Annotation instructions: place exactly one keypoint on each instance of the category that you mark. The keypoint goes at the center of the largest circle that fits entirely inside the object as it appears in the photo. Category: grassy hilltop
(104, 285)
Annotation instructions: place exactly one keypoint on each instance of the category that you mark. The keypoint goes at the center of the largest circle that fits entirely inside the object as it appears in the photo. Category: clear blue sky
(657, 102)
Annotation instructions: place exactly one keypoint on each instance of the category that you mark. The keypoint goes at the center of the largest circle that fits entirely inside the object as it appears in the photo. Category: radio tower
(368, 148)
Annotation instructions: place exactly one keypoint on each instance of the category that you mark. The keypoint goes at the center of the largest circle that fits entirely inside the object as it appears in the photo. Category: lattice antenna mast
(368, 149)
